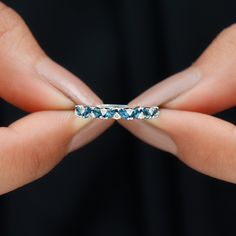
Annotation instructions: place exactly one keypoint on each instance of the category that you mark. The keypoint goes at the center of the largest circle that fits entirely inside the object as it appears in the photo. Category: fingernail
(151, 134)
(79, 125)
(169, 88)
(88, 130)
(72, 87)
(160, 138)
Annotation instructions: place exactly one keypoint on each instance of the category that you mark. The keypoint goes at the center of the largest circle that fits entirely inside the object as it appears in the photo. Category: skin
(33, 145)
(33, 82)
(185, 127)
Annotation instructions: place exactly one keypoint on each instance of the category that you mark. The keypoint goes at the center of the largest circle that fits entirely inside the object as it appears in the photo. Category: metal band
(116, 111)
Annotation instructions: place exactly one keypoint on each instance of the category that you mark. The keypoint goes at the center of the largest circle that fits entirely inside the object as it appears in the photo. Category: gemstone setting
(124, 114)
(116, 112)
(78, 110)
(110, 113)
(87, 112)
(97, 112)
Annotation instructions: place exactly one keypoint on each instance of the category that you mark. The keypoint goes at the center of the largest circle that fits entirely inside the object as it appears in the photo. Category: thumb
(203, 142)
(33, 145)
(208, 86)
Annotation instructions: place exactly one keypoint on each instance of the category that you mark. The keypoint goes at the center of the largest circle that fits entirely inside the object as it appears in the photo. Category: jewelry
(113, 111)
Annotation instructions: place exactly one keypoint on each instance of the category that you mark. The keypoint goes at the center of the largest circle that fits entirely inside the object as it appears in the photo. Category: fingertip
(88, 132)
(66, 82)
(151, 135)
(169, 89)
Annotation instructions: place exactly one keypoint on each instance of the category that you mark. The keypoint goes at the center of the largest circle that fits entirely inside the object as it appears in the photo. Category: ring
(113, 111)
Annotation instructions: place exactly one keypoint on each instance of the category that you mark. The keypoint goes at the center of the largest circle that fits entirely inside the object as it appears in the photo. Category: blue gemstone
(153, 111)
(79, 111)
(136, 112)
(146, 112)
(124, 114)
(97, 112)
(87, 112)
(110, 113)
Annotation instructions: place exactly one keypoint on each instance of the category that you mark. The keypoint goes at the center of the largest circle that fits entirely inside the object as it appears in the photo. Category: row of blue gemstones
(86, 112)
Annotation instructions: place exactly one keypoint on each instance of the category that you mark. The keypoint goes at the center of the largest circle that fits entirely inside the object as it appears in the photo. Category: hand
(33, 145)
(185, 127)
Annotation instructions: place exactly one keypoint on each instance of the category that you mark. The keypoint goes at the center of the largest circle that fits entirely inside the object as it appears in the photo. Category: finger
(203, 142)
(33, 145)
(32, 81)
(208, 86)
(28, 78)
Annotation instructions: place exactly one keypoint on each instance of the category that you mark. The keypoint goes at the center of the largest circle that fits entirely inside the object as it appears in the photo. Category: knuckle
(30, 161)
(9, 20)
(38, 162)
(16, 38)
(34, 165)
